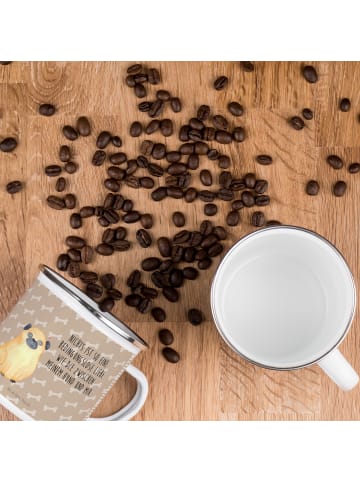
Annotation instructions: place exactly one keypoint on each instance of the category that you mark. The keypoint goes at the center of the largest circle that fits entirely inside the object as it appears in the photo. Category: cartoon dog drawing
(19, 356)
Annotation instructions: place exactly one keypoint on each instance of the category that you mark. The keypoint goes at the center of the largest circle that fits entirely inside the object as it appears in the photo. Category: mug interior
(283, 297)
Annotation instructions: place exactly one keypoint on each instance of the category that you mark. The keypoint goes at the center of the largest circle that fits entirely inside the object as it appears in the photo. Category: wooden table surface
(210, 382)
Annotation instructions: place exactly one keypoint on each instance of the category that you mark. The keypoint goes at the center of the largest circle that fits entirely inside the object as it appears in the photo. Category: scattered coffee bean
(60, 184)
(345, 105)
(103, 222)
(339, 188)
(53, 170)
(238, 134)
(70, 201)
(258, 219)
(166, 127)
(47, 109)
(178, 219)
(175, 104)
(250, 180)
(98, 158)
(247, 66)
(116, 141)
(206, 227)
(103, 139)
(248, 199)
(335, 161)
(139, 90)
(87, 211)
(224, 162)
(74, 254)
(136, 129)
(94, 290)
(171, 294)
(164, 246)
(108, 281)
(75, 221)
(166, 337)
(307, 114)
(190, 195)
(74, 269)
(133, 279)
(204, 263)
(233, 218)
(354, 168)
(134, 69)
(146, 221)
(206, 177)
(170, 355)
(74, 242)
(14, 186)
(121, 244)
(225, 194)
(107, 304)
(195, 316)
(296, 123)
(261, 186)
(223, 137)
(220, 122)
(273, 222)
(133, 300)
(221, 82)
(159, 194)
(112, 185)
(143, 238)
(220, 232)
(262, 200)
(127, 205)
(150, 264)
(8, 144)
(115, 159)
(64, 153)
(176, 278)
(159, 151)
(83, 126)
(131, 217)
(144, 305)
(156, 109)
(210, 209)
(108, 236)
(312, 188)
(71, 167)
(87, 254)
(89, 276)
(55, 202)
(62, 262)
(153, 76)
(235, 109)
(130, 81)
(190, 273)
(150, 293)
(207, 196)
(70, 133)
(158, 314)
(104, 249)
(310, 74)
(264, 159)
(115, 294)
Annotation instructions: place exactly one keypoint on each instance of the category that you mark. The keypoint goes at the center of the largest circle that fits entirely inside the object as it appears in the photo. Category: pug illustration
(19, 356)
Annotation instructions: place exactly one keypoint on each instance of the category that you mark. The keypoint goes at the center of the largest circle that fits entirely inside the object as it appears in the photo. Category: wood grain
(210, 382)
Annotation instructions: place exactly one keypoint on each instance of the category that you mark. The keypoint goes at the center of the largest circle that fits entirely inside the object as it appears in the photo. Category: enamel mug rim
(216, 281)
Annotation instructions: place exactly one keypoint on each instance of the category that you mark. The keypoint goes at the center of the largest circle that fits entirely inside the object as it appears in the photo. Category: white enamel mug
(284, 298)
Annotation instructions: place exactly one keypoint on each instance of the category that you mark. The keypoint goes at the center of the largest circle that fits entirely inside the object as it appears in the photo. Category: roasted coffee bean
(258, 219)
(153, 76)
(193, 162)
(70, 201)
(148, 292)
(209, 133)
(181, 237)
(233, 218)
(127, 205)
(117, 158)
(107, 280)
(187, 148)
(210, 209)
(166, 127)
(121, 244)
(98, 158)
(146, 149)
(307, 114)
(120, 233)
(74, 269)
(146, 221)
(206, 196)
(189, 254)
(107, 304)
(143, 238)
(225, 179)
(164, 246)
(156, 109)
(134, 69)
(206, 177)
(131, 167)
(47, 109)
(99, 210)
(145, 106)
(262, 200)
(354, 168)
(60, 184)
(130, 81)
(53, 170)
(140, 78)
(310, 74)
(134, 279)
(142, 161)
(203, 112)
(235, 109)
(115, 294)
(175, 104)
(220, 122)
(155, 170)
(296, 123)
(247, 198)
(87, 253)
(159, 151)
(195, 135)
(177, 168)
(144, 305)
(163, 95)
(87, 211)
(221, 82)
(159, 279)
(74, 242)
(166, 337)
(190, 195)
(139, 90)
(118, 201)
(70, 133)
(178, 219)
(103, 139)
(132, 181)
(62, 262)
(8, 144)
(177, 253)
(136, 129)
(170, 355)
(273, 222)
(103, 222)
(223, 137)
(83, 126)
(173, 156)
(171, 294)
(150, 264)
(14, 186)
(70, 167)
(312, 188)
(152, 127)
(209, 240)
(339, 188)
(116, 141)
(64, 153)
(104, 249)
(159, 194)
(213, 154)
(204, 263)
(158, 314)
(94, 291)
(237, 185)
(238, 134)
(247, 66)
(176, 278)
(89, 276)
(112, 184)
(74, 254)
(131, 217)
(184, 133)
(261, 186)
(201, 254)
(55, 202)
(334, 161)
(224, 162)
(75, 221)
(195, 316)
(220, 232)
(166, 266)
(206, 227)
(250, 180)
(201, 148)
(190, 273)
(146, 182)
(225, 194)
(196, 124)
(195, 238)
(108, 236)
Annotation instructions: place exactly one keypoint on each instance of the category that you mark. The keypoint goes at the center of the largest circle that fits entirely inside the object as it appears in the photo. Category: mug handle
(132, 408)
(339, 370)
